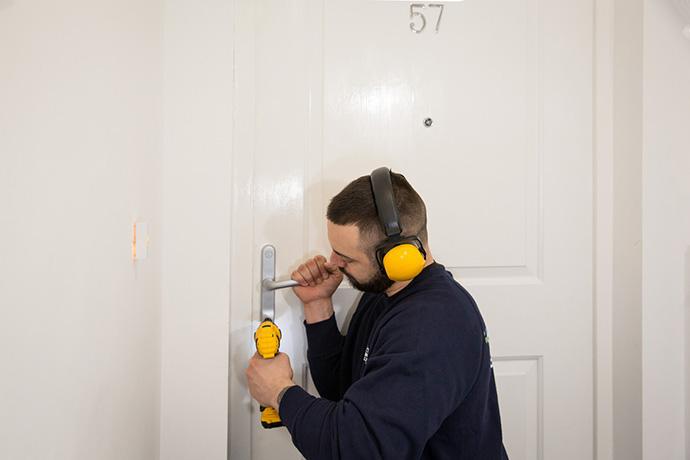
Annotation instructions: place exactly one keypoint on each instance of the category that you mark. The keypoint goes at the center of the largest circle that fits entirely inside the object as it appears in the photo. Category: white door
(328, 90)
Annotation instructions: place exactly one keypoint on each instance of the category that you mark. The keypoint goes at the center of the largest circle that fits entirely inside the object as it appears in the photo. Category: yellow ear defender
(401, 258)
(403, 262)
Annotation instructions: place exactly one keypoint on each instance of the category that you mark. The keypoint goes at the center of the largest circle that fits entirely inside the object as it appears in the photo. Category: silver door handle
(269, 284)
(273, 285)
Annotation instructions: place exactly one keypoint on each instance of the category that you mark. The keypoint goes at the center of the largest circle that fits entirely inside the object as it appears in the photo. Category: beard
(376, 284)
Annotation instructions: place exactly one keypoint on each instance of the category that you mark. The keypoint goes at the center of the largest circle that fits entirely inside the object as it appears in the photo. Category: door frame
(604, 206)
(618, 115)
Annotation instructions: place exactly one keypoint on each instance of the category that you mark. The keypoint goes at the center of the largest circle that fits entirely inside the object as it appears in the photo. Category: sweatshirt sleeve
(325, 346)
(417, 374)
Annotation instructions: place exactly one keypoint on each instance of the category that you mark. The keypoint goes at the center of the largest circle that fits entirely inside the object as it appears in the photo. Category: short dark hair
(355, 205)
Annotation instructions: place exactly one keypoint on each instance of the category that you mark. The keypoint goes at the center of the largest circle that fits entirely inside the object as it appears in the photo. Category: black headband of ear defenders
(382, 187)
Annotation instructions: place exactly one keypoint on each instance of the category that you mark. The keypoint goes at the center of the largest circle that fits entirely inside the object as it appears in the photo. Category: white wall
(196, 218)
(666, 232)
(80, 115)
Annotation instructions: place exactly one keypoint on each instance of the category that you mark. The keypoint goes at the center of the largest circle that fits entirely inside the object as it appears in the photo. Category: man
(413, 377)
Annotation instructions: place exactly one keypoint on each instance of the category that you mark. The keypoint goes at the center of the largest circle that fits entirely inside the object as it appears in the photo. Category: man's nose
(337, 260)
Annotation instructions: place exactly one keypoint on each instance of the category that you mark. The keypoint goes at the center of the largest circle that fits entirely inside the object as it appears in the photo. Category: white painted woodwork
(326, 91)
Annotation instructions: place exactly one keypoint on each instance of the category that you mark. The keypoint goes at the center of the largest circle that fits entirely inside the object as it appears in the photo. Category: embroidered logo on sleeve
(486, 340)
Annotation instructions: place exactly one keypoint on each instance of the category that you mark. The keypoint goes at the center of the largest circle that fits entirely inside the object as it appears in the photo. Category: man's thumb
(332, 268)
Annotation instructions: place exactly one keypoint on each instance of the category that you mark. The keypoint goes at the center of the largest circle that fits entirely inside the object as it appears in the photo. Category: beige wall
(196, 175)
(666, 231)
(80, 115)
(643, 230)
(627, 230)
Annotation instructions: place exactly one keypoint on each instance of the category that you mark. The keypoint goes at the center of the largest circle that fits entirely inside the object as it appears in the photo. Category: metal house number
(417, 18)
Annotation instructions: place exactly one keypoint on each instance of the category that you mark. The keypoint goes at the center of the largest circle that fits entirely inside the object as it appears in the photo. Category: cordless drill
(267, 339)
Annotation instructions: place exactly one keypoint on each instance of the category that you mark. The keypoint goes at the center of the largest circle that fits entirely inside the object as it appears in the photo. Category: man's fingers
(297, 276)
(320, 262)
(314, 270)
(306, 274)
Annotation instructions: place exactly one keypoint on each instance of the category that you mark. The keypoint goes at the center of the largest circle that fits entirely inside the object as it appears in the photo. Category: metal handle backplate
(269, 284)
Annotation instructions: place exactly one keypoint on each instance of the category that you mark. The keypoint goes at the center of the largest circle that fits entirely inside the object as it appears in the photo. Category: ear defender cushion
(403, 262)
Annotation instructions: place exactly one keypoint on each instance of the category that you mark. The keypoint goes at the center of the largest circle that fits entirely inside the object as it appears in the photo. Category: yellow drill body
(267, 338)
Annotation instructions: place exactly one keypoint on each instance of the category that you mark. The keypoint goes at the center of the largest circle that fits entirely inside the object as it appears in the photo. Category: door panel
(329, 90)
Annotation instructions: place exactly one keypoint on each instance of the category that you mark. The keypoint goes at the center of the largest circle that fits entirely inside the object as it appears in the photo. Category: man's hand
(318, 281)
(267, 377)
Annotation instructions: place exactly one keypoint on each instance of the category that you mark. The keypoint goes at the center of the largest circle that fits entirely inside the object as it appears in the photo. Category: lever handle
(271, 285)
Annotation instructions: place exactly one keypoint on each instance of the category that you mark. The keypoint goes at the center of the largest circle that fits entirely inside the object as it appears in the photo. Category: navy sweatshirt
(412, 379)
